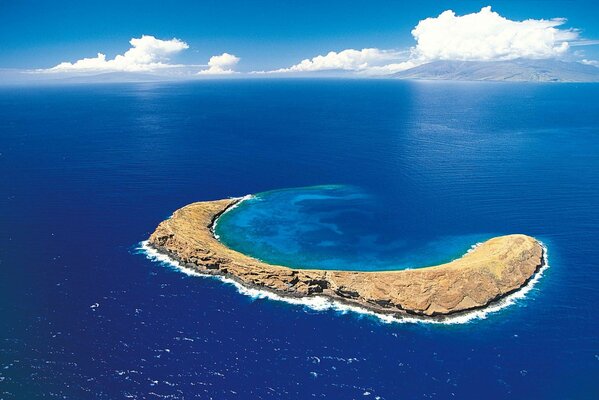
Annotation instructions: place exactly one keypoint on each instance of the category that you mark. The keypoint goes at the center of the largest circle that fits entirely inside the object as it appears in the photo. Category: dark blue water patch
(86, 172)
(335, 227)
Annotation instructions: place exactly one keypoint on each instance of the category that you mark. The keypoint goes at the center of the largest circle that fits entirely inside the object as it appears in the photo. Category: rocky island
(484, 275)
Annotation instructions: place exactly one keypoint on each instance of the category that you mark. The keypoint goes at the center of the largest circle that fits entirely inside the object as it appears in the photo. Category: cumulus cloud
(146, 54)
(486, 35)
(221, 65)
(391, 68)
(346, 60)
(481, 36)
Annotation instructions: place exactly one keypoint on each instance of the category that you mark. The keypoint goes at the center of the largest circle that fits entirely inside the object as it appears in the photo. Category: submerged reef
(484, 275)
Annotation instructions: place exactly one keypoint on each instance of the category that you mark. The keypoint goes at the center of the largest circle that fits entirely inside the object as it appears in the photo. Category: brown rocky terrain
(492, 270)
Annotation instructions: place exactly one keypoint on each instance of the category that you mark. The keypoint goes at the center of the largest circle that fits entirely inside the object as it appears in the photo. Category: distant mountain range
(520, 70)
(8, 76)
(512, 71)
(113, 77)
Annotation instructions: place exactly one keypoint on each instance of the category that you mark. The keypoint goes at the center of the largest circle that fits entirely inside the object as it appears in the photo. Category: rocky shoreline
(491, 271)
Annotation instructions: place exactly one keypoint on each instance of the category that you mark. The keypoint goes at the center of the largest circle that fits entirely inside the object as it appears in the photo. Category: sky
(273, 37)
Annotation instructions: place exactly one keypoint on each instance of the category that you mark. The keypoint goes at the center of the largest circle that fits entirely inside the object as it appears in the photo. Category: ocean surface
(349, 174)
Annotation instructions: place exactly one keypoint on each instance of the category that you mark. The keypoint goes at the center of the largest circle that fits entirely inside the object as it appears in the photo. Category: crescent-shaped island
(489, 272)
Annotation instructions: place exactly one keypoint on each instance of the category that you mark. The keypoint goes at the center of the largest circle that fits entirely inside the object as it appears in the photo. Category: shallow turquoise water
(333, 227)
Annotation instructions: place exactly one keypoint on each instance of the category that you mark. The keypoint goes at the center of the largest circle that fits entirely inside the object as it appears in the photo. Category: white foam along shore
(321, 303)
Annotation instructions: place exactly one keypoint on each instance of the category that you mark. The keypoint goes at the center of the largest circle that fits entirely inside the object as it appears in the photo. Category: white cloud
(346, 60)
(584, 42)
(594, 63)
(486, 35)
(146, 54)
(221, 65)
(391, 68)
(483, 35)
(480, 36)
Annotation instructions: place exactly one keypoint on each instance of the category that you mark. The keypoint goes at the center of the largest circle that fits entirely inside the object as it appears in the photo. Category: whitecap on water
(322, 303)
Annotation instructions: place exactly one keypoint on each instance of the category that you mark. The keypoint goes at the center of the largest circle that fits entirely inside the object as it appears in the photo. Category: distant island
(520, 70)
(489, 272)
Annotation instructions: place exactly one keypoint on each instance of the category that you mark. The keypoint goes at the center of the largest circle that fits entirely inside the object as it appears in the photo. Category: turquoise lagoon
(333, 227)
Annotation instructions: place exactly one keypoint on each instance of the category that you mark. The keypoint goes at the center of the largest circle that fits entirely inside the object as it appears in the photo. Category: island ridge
(489, 272)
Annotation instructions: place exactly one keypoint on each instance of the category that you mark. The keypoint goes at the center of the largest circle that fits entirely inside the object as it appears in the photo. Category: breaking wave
(322, 303)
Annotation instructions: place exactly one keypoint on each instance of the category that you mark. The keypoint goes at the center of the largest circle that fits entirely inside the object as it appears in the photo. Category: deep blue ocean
(419, 171)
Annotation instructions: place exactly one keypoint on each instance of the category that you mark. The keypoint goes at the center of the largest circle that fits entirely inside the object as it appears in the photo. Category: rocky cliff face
(494, 269)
